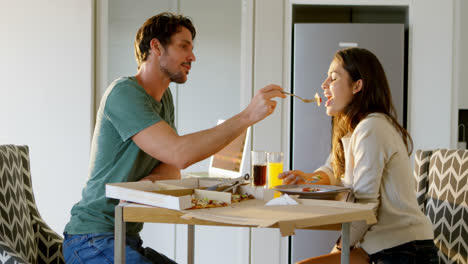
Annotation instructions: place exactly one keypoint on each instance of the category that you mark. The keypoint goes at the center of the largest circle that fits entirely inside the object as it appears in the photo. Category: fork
(300, 98)
(308, 182)
(234, 181)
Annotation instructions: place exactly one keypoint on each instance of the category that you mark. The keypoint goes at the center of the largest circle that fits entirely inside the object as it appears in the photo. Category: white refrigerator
(313, 49)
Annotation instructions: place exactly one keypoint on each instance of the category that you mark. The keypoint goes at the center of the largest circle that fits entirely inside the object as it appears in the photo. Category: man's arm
(163, 172)
(162, 142)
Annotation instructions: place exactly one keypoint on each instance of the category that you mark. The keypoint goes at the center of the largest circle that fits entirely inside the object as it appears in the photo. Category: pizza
(310, 189)
(236, 198)
(207, 203)
(318, 99)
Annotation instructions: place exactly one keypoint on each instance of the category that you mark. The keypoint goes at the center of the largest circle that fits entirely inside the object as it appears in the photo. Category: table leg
(190, 244)
(345, 234)
(119, 236)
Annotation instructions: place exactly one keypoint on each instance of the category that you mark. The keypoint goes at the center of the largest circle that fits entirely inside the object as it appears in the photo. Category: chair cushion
(446, 205)
(7, 255)
(15, 221)
(48, 243)
(421, 172)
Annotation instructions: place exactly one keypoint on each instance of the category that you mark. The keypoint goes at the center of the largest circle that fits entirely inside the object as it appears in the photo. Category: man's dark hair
(161, 27)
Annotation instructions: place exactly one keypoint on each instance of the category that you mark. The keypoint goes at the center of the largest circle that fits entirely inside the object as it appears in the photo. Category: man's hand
(262, 104)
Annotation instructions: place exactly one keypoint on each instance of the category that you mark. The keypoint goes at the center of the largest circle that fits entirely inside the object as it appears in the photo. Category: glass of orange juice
(275, 167)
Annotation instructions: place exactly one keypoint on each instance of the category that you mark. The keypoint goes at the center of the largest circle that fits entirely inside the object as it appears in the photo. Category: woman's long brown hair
(374, 97)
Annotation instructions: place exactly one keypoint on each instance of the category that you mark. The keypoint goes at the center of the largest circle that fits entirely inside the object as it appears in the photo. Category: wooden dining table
(310, 214)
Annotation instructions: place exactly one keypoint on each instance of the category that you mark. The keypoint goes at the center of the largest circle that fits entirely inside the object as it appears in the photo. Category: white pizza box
(259, 193)
(200, 183)
(177, 194)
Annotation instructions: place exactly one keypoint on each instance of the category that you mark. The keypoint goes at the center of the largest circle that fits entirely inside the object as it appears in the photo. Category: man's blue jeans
(99, 249)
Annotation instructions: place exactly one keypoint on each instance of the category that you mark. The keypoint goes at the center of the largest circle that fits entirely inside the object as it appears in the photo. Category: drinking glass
(275, 167)
(259, 168)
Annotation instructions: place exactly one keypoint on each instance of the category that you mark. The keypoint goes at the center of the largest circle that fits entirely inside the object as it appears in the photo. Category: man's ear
(156, 47)
(357, 86)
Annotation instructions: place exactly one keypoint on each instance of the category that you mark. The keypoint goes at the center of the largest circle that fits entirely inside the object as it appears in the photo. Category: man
(135, 139)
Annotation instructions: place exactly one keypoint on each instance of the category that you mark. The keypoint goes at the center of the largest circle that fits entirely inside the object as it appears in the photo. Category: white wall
(212, 90)
(46, 96)
(268, 68)
(430, 86)
(267, 246)
(463, 57)
(125, 18)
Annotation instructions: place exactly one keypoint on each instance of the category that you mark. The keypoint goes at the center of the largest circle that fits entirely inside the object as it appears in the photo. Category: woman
(370, 154)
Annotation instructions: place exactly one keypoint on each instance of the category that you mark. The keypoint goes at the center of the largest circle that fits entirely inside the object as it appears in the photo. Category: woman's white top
(378, 170)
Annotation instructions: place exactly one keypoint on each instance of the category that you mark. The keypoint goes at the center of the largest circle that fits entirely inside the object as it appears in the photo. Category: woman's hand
(300, 177)
(292, 177)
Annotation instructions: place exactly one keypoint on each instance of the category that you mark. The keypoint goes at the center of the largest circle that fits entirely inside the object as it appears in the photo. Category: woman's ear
(357, 86)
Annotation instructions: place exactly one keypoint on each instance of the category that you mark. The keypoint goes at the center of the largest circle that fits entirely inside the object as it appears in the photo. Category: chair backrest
(16, 230)
(442, 191)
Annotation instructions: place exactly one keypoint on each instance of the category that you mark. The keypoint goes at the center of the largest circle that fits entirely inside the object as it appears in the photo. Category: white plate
(327, 192)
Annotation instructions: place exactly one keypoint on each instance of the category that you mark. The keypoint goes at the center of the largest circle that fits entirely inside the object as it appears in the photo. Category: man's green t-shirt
(126, 109)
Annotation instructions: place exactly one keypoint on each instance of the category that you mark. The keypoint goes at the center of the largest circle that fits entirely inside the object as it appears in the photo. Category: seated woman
(370, 154)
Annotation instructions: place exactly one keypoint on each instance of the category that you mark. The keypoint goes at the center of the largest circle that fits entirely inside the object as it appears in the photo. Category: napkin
(282, 200)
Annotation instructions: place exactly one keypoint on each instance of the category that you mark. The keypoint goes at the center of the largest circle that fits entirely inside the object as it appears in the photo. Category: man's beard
(174, 76)
(177, 77)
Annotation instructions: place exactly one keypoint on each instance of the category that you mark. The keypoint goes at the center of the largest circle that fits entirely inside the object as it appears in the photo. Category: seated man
(135, 139)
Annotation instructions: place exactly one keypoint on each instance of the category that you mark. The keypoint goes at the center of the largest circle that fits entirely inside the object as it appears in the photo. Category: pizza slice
(310, 189)
(318, 99)
(236, 198)
(206, 203)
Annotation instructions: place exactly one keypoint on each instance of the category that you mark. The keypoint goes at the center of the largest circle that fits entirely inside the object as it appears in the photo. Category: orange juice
(274, 168)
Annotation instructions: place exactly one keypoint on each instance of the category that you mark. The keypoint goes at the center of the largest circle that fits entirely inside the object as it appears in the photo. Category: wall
(430, 74)
(214, 78)
(46, 96)
(463, 57)
(212, 92)
(268, 64)
(125, 18)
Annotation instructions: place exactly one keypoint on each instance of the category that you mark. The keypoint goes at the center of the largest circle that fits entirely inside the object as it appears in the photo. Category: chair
(442, 192)
(24, 236)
